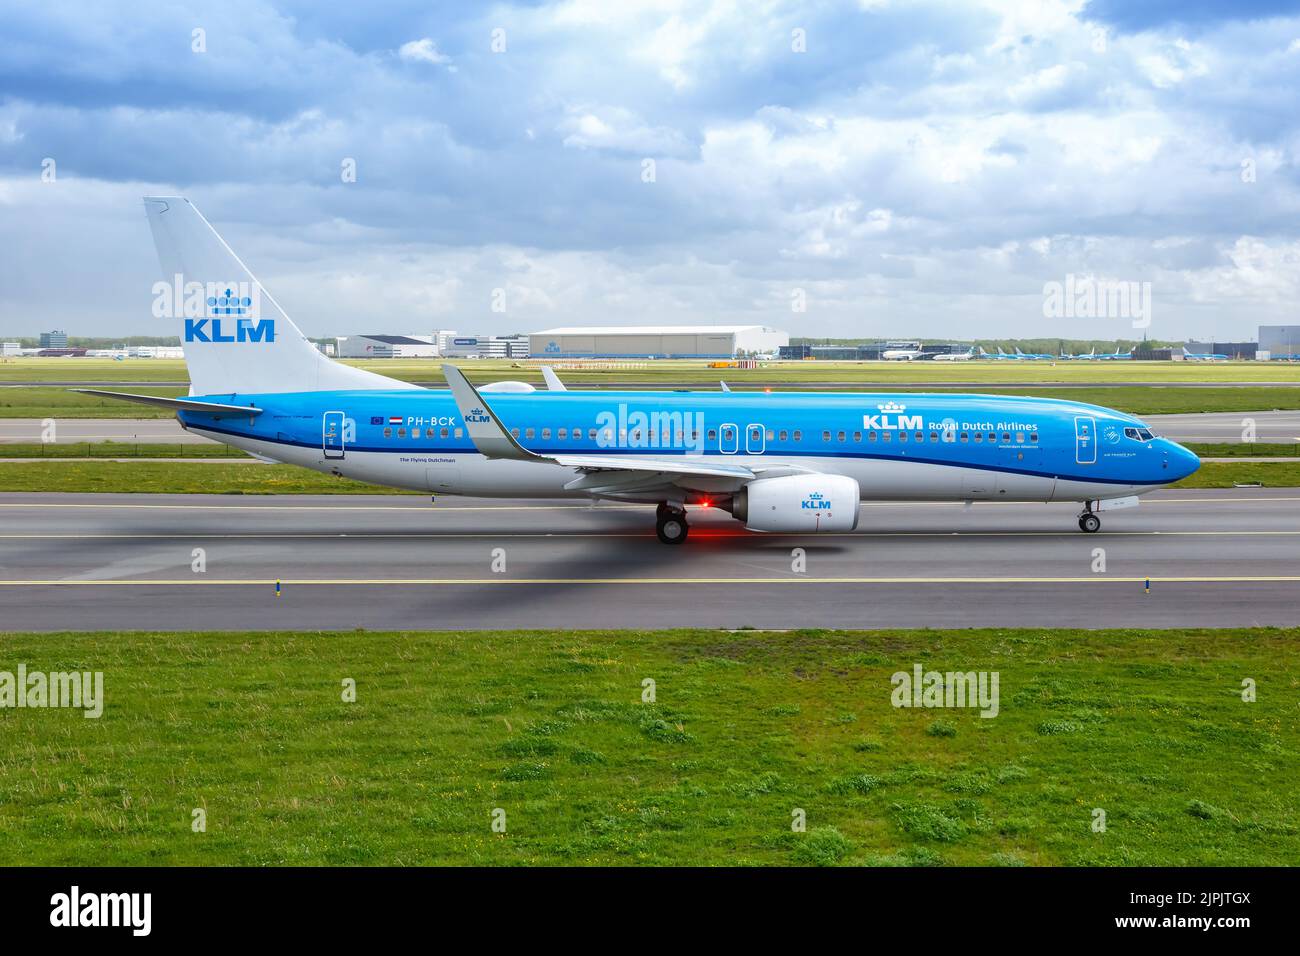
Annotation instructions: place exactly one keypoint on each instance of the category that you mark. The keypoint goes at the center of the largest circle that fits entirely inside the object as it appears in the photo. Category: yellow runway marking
(675, 582)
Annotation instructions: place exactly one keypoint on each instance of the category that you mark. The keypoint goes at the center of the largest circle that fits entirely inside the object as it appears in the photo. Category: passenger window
(785, 435)
(546, 433)
(713, 434)
(920, 436)
(636, 435)
(964, 436)
(388, 433)
(1020, 438)
(857, 436)
(428, 433)
(1033, 436)
(840, 436)
(609, 434)
(460, 433)
(798, 435)
(444, 433)
(515, 432)
(591, 434)
(530, 432)
(992, 437)
(770, 434)
(934, 436)
(979, 436)
(401, 433)
(871, 436)
(564, 433)
(902, 436)
(884, 436)
(1006, 436)
(826, 436)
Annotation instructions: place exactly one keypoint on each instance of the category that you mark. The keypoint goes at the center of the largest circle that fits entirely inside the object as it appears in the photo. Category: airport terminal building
(658, 341)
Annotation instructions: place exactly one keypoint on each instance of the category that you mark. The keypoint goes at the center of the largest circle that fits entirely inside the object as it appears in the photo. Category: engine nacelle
(798, 503)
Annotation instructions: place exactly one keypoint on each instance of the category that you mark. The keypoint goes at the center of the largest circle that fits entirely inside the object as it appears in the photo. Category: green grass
(56, 403)
(162, 477)
(115, 449)
(748, 727)
(1244, 450)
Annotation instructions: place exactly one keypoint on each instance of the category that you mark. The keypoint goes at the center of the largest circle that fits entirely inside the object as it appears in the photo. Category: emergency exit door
(332, 435)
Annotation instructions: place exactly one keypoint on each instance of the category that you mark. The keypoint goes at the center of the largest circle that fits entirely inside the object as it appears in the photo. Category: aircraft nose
(1182, 461)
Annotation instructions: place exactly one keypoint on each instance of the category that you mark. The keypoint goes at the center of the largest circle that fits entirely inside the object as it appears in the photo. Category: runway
(1270, 426)
(109, 562)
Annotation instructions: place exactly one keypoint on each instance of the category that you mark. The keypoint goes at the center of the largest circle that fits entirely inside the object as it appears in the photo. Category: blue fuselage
(976, 445)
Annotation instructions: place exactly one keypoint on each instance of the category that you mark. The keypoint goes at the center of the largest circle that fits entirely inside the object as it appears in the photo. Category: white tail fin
(236, 337)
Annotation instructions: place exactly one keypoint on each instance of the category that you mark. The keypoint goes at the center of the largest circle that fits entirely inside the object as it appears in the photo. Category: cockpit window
(1139, 434)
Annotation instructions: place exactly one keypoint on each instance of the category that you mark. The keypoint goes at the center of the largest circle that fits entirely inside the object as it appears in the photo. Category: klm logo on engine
(245, 330)
(891, 418)
(816, 502)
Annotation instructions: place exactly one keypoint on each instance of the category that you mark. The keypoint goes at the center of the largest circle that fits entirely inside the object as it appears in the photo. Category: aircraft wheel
(672, 528)
(1089, 523)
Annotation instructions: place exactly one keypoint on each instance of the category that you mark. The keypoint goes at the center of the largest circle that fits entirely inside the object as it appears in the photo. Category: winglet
(553, 382)
(490, 437)
(725, 386)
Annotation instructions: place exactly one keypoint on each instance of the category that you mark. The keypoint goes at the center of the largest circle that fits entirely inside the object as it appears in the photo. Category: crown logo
(229, 304)
(892, 407)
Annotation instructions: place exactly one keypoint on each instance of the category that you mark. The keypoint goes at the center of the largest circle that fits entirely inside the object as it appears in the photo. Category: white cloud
(423, 50)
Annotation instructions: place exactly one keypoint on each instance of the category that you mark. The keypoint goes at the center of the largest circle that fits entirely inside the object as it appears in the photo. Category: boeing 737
(778, 462)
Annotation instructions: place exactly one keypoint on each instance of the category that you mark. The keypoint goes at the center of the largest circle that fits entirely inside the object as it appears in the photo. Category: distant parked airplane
(1204, 356)
(956, 356)
(1034, 356)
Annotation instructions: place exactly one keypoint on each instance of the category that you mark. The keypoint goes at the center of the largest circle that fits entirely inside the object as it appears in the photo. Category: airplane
(1117, 355)
(1000, 357)
(956, 356)
(901, 355)
(792, 463)
(1091, 356)
(1204, 356)
(1034, 356)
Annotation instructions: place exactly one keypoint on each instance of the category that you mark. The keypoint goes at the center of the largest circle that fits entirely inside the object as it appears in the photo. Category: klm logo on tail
(246, 330)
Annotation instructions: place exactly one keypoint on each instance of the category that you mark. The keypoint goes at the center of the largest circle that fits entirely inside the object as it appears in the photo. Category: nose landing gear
(670, 524)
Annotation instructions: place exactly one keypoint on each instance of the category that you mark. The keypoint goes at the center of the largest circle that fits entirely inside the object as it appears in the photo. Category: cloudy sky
(907, 168)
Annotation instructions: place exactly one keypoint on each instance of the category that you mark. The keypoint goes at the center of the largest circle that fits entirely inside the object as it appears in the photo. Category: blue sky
(918, 168)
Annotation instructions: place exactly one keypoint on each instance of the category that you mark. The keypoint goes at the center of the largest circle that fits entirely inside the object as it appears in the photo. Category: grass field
(117, 449)
(426, 371)
(160, 477)
(747, 727)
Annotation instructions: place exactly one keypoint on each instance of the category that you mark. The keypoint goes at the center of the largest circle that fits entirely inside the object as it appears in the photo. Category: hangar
(658, 341)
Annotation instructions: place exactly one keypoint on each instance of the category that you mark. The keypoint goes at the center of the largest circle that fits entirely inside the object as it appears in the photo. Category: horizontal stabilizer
(179, 404)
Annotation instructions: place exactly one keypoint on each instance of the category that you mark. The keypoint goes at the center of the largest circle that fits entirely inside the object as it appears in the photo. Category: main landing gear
(670, 524)
(1089, 523)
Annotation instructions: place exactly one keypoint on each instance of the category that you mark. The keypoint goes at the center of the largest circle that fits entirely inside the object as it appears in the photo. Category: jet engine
(798, 503)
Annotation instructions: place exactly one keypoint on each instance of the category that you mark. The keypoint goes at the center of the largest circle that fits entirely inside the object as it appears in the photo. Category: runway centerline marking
(617, 582)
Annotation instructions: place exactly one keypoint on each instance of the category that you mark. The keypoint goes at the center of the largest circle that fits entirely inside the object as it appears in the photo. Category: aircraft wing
(602, 472)
(179, 404)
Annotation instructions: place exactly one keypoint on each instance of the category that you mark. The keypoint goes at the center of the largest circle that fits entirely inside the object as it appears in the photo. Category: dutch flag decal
(394, 419)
